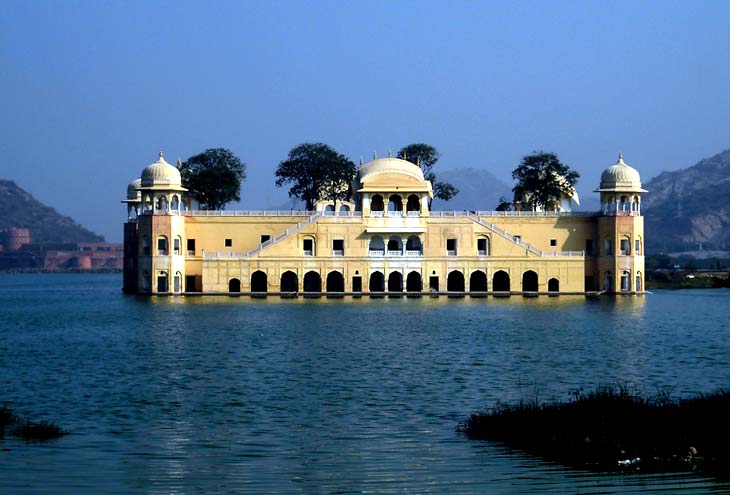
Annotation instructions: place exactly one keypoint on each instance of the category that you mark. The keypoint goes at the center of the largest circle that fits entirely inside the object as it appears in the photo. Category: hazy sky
(92, 90)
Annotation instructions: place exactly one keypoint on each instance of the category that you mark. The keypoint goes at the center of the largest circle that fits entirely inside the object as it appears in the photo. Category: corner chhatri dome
(133, 192)
(161, 173)
(620, 177)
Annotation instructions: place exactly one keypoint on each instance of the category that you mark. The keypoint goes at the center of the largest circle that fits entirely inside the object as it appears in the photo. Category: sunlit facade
(386, 241)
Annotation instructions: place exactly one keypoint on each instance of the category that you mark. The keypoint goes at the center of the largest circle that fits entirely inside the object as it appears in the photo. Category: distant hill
(691, 206)
(46, 225)
(478, 190)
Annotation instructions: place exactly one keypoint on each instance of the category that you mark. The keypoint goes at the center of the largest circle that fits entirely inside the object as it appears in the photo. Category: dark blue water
(220, 395)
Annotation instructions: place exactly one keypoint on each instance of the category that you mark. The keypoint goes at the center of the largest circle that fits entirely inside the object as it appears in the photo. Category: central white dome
(390, 166)
(620, 177)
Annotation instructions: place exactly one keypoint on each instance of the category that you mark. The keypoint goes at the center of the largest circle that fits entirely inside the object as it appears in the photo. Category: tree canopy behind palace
(426, 156)
(542, 180)
(316, 171)
(214, 177)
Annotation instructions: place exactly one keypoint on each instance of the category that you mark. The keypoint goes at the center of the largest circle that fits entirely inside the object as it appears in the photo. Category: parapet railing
(495, 213)
(248, 213)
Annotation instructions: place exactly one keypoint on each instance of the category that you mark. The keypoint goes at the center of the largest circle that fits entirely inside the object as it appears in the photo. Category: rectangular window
(450, 247)
(191, 248)
(229, 242)
(609, 247)
(162, 247)
(265, 237)
(589, 247)
(482, 247)
(176, 245)
(637, 247)
(308, 247)
(517, 238)
(338, 247)
(553, 242)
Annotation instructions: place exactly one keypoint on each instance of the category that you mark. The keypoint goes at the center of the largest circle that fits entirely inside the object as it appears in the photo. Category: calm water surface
(206, 395)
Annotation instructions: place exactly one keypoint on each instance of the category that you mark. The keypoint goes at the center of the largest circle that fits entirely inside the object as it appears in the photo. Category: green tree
(427, 156)
(504, 205)
(213, 177)
(316, 171)
(542, 180)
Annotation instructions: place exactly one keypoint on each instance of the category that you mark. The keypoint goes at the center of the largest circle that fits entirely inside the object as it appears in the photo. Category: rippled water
(204, 395)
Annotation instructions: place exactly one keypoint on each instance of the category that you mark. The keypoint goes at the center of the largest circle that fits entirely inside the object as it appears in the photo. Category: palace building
(386, 241)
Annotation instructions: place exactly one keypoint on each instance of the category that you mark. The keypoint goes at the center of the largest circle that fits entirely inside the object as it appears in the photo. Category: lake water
(219, 395)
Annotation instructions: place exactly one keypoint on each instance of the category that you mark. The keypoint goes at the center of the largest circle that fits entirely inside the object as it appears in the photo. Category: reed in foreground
(615, 428)
(14, 425)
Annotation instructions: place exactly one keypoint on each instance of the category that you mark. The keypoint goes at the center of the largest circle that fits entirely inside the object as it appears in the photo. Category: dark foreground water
(207, 395)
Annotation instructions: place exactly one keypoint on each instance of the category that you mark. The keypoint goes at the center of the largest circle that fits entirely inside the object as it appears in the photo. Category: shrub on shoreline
(14, 425)
(615, 427)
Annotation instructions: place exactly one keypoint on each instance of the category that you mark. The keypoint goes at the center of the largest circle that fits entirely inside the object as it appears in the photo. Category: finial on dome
(390, 153)
(375, 155)
(179, 163)
(361, 161)
(160, 153)
(620, 157)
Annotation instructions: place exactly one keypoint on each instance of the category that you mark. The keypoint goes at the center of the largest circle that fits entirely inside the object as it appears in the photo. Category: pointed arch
(501, 282)
(259, 281)
(553, 285)
(529, 281)
(335, 282)
(414, 283)
(289, 282)
(478, 281)
(312, 282)
(455, 281)
(377, 282)
(234, 285)
(395, 282)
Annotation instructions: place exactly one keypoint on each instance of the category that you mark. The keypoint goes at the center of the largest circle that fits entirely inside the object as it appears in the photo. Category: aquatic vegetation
(615, 428)
(14, 425)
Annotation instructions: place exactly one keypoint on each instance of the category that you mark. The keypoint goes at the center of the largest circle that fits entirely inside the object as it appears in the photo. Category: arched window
(175, 203)
(529, 281)
(335, 282)
(161, 204)
(376, 203)
(455, 282)
(289, 282)
(395, 245)
(414, 282)
(344, 208)
(482, 246)
(500, 282)
(162, 283)
(553, 285)
(625, 281)
(625, 246)
(312, 282)
(395, 282)
(377, 246)
(639, 284)
(637, 246)
(177, 282)
(395, 203)
(624, 203)
(259, 282)
(234, 285)
(329, 208)
(177, 245)
(309, 246)
(377, 282)
(413, 245)
(162, 246)
(478, 281)
(413, 204)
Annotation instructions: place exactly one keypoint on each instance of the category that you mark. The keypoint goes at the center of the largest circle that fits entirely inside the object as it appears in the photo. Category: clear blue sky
(91, 90)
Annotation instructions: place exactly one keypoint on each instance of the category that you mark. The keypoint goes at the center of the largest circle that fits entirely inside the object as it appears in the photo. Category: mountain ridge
(46, 225)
